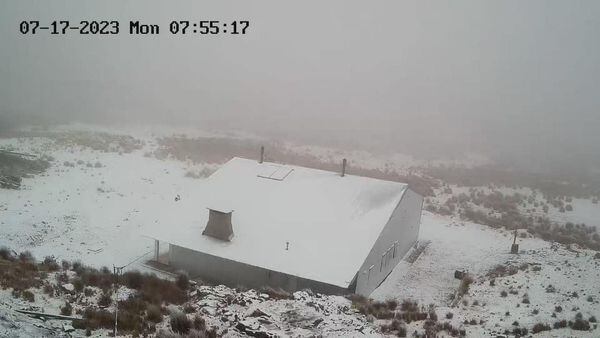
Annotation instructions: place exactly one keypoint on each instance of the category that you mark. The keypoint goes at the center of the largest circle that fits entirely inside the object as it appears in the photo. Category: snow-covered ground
(477, 249)
(96, 213)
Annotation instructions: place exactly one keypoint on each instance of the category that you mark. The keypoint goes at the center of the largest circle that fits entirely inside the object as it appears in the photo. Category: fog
(516, 81)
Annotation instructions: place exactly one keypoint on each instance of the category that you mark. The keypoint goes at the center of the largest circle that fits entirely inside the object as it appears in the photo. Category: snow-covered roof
(331, 222)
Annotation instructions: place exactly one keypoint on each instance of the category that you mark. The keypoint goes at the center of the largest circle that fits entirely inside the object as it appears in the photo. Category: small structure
(219, 225)
(292, 228)
(514, 248)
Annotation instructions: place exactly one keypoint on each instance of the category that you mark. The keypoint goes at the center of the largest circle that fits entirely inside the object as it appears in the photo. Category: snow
(455, 245)
(331, 222)
(90, 214)
(65, 214)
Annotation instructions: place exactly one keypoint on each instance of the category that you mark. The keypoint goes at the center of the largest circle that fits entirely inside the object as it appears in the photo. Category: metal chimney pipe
(262, 154)
(343, 167)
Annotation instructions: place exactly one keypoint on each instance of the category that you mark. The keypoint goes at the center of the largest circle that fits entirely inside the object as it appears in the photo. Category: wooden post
(156, 248)
(262, 154)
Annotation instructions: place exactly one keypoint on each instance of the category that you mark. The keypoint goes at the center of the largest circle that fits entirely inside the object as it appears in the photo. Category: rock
(209, 311)
(68, 328)
(68, 286)
(253, 329)
(458, 274)
(258, 313)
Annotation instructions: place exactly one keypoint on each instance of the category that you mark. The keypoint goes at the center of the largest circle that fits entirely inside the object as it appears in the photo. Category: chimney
(262, 154)
(343, 167)
(219, 225)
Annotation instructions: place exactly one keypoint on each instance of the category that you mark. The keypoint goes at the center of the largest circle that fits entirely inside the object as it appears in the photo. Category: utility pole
(116, 272)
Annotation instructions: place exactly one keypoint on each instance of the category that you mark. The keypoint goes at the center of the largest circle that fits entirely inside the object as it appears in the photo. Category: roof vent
(219, 225)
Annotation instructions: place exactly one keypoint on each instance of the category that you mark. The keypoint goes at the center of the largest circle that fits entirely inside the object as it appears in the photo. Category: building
(265, 224)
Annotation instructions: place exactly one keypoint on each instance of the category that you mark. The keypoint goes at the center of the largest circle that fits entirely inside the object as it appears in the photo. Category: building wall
(396, 239)
(219, 270)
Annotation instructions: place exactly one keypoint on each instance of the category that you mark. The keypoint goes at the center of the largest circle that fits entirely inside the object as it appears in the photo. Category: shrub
(94, 319)
(50, 264)
(6, 254)
(449, 315)
(581, 325)
(77, 267)
(104, 300)
(560, 324)
(520, 332)
(154, 314)
(401, 331)
(539, 327)
(183, 282)
(558, 308)
(26, 256)
(409, 306)
(134, 304)
(48, 289)
(392, 304)
(78, 284)
(28, 296)
(592, 319)
(133, 279)
(130, 321)
(503, 293)
(62, 278)
(466, 281)
(535, 311)
(66, 310)
(188, 308)
(180, 323)
(66, 265)
(88, 292)
(199, 323)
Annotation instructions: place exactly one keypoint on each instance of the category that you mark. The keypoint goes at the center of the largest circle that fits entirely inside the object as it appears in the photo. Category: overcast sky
(508, 78)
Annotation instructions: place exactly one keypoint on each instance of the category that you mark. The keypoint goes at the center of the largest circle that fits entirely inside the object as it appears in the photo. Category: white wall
(219, 270)
(397, 237)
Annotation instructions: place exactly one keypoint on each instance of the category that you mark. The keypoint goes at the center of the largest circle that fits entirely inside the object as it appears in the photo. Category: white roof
(331, 222)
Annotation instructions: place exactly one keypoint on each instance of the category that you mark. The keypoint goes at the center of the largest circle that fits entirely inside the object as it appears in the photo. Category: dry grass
(137, 315)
